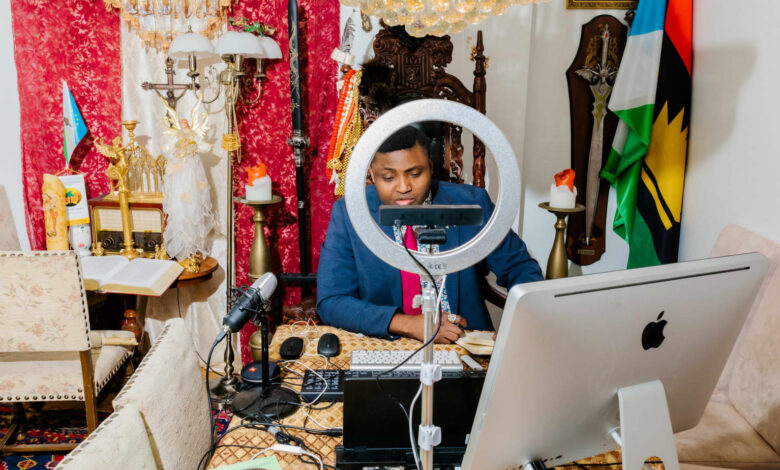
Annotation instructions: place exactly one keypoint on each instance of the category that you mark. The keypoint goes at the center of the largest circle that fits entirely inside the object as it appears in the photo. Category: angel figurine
(186, 200)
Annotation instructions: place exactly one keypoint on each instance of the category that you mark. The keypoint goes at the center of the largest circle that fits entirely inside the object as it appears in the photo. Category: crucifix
(170, 87)
(601, 77)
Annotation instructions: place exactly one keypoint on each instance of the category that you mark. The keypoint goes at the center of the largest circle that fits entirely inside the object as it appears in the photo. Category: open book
(141, 276)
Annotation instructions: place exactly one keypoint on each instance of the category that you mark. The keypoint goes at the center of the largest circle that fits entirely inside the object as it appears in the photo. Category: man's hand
(413, 326)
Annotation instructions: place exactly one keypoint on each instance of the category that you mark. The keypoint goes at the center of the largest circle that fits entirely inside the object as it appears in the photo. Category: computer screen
(565, 347)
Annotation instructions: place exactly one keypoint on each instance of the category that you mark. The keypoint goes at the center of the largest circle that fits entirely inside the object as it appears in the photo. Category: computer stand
(645, 427)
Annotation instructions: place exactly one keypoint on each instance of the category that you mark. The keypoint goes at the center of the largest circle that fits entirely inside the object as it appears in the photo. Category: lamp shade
(272, 50)
(190, 43)
(243, 43)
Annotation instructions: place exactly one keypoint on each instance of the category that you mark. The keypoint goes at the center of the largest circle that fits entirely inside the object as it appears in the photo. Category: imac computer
(573, 359)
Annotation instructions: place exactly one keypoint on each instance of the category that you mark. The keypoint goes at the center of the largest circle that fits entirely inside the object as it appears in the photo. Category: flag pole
(298, 141)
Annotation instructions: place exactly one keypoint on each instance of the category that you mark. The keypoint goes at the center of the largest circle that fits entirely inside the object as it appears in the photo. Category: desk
(333, 416)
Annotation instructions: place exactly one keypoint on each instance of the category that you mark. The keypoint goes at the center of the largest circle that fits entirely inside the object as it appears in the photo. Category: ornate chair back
(419, 73)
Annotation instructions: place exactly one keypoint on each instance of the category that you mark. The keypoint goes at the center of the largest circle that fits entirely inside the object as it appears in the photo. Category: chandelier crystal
(158, 22)
(434, 17)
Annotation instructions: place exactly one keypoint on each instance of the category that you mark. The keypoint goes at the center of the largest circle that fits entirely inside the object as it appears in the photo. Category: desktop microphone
(246, 306)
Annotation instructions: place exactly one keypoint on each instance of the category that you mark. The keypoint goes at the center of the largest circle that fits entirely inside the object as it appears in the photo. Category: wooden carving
(590, 122)
(420, 74)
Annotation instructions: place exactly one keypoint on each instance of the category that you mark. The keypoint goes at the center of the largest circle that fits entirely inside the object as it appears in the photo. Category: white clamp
(417, 301)
(430, 373)
(428, 437)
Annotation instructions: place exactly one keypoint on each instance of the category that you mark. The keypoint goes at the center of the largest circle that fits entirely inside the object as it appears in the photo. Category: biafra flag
(652, 98)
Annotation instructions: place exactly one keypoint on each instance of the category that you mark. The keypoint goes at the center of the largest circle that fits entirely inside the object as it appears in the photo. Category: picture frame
(601, 4)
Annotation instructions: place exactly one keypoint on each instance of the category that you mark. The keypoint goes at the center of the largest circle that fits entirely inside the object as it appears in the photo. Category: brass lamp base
(130, 253)
(558, 262)
(223, 391)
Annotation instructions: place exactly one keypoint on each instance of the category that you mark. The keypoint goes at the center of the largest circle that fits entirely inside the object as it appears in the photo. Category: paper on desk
(478, 342)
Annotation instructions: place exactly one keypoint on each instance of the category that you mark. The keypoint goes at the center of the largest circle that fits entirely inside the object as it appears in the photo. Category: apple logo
(653, 334)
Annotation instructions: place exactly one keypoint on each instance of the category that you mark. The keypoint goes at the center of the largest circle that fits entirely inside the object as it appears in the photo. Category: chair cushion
(733, 240)
(751, 378)
(724, 439)
(169, 392)
(119, 441)
(44, 304)
(50, 376)
(754, 388)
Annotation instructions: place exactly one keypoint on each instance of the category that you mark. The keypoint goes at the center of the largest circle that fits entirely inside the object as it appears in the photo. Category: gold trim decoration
(230, 142)
(602, 4)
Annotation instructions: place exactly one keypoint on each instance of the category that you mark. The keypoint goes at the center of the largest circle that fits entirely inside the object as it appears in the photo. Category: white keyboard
(387, 359)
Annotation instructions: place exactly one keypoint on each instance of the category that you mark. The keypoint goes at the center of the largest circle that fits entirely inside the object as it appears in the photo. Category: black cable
(208, 394)
(426, 343)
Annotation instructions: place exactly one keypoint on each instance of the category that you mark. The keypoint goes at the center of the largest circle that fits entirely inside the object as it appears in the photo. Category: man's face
(402, 177)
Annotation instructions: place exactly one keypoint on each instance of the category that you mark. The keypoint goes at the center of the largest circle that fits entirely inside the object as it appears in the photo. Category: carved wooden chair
(419, 66)
(47, 351)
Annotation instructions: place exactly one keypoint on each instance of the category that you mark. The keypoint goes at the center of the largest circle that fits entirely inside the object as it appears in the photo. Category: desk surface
(330, 417)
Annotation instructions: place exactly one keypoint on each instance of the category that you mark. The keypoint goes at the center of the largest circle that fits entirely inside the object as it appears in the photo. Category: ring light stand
(457, 259)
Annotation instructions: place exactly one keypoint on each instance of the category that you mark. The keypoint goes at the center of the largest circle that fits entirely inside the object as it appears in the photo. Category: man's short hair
(406, 138)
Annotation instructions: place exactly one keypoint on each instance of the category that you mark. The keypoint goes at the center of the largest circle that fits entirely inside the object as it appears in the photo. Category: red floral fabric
(79, 41)
(265, 126)
(76, 41)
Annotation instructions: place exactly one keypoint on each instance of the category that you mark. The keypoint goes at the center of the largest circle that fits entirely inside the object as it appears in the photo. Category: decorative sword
(298, 141)
(601, 78)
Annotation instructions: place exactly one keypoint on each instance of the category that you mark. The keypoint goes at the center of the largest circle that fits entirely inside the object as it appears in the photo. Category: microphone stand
(268, 401)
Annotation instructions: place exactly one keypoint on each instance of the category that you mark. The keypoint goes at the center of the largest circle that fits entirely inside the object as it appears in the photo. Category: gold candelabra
(118, 174)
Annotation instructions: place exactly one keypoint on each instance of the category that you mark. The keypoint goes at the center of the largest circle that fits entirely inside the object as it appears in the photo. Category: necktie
(410, 283)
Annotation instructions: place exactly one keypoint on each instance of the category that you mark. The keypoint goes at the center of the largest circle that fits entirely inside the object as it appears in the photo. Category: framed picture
(602, 4)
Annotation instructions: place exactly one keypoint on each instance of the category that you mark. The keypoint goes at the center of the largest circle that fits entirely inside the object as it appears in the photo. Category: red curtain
(76, 41)
(265, 126)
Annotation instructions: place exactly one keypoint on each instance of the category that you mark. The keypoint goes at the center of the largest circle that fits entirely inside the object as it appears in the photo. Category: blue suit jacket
(359, 292)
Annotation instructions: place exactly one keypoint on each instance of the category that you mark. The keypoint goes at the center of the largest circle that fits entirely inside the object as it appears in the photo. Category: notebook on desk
(376, 431)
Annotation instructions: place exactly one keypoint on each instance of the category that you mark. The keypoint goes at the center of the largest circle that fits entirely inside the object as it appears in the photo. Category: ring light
(471, 252)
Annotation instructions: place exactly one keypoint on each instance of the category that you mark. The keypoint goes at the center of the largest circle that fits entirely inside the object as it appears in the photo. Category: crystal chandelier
(158, 22)
(434, 17)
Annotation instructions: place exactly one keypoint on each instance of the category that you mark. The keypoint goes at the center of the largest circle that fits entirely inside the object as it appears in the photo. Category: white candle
(561, 197)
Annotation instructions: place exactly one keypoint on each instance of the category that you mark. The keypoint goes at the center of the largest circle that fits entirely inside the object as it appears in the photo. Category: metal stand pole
(429, 435)
(224, 389)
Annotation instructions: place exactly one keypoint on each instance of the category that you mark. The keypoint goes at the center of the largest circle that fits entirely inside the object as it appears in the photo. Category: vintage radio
(148, 222)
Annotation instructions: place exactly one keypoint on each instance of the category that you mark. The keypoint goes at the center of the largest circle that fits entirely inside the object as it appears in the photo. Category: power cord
(208, 394)
(425, 343)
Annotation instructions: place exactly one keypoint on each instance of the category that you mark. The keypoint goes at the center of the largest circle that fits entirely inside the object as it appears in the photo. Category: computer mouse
(291, 348)
(329, 345)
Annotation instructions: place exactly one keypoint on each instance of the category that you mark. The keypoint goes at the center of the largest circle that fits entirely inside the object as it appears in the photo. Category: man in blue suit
(359, 292)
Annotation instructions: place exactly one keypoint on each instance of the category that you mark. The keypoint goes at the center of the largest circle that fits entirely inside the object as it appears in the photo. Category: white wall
(734, 155)
(547, 146)
(11, 157)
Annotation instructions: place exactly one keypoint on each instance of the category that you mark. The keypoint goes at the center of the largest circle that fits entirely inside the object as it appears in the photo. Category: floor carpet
(59, 426)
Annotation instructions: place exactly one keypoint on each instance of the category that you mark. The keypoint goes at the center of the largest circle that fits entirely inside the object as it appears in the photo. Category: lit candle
(563, 194)
(259, 187)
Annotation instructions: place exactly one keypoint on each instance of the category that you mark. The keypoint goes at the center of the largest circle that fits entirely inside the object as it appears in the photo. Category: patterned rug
(59, 426)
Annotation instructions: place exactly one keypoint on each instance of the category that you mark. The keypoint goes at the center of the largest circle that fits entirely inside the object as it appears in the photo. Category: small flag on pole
(74, 128)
